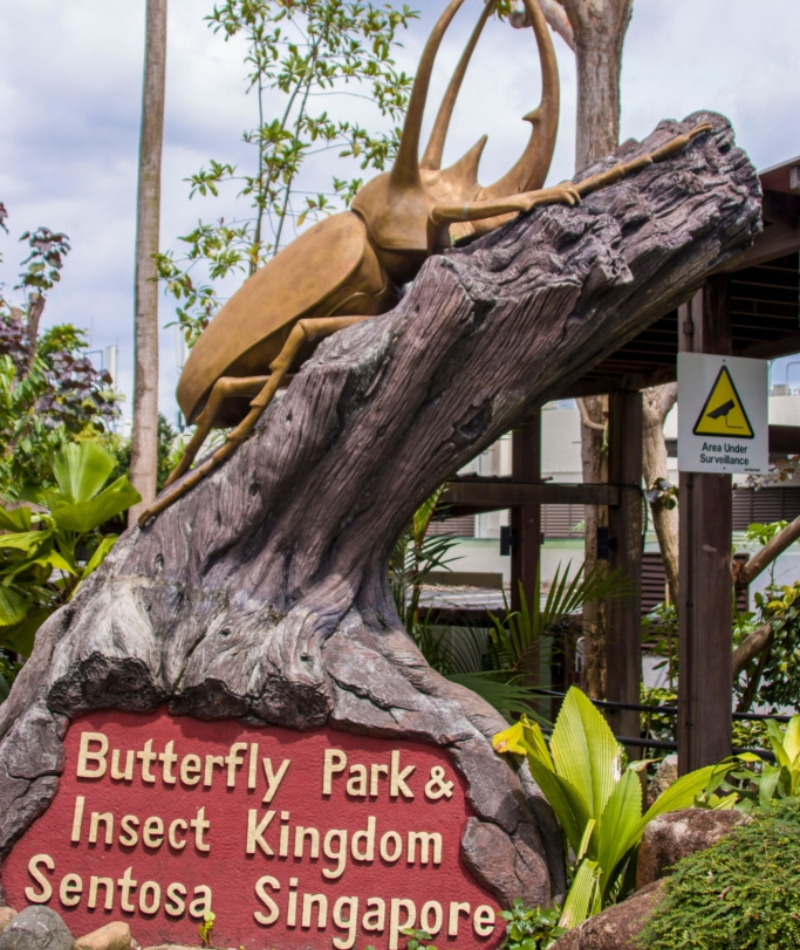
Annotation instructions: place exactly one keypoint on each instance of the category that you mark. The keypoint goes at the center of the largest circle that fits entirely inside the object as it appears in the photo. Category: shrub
(742, 893)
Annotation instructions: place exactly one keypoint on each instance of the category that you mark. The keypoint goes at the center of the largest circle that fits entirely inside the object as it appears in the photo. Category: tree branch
(744, 574)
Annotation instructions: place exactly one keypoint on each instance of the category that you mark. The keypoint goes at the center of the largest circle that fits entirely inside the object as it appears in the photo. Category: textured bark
(144, 435)
(657, 403)
(594, 470)
(599, 28)
(263, 593)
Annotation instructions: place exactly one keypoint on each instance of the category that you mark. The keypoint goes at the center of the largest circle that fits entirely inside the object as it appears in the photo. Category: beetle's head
(396, 205)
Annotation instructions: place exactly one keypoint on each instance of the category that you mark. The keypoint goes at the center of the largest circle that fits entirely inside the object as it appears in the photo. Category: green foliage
(741, 893)
(597, 799)
(660, 630)
(418, 939)
(47, 551)
(773, 679)
(309, 52)
(531, 928)
(762, 783)
(205, 929)
(166, 458)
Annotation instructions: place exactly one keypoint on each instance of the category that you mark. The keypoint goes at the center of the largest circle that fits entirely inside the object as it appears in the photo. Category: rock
(666, 774)
(616, 928)
(6, 913)
(677, 834)
(114, 936)
(36, 928)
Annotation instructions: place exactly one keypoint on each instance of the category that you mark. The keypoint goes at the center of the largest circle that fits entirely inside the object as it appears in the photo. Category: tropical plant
(740, 893)
(309, 52)
(597, 799)
(50, 548)
(764, 783)
(531, 928)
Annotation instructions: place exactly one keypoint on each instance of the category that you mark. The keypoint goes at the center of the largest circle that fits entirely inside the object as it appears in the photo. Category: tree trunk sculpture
(263, 593)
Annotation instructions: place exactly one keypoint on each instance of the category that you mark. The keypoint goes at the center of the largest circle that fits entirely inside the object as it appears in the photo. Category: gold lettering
(322, 913)
(46, 893)
(129, 836)
(255, 831)
(85, 756)
(77, 819)
(375, 773)
(291, 907)
(425, 917)
(167, 758)
(368, 837)
(211, 761)
(357, 783)
(348, 923)
(483, 920)
(425, 840)
(374, 921)
(175, 905)
(108, 894)
(191, 769)
(202, 901)
(252, 766)
(150, 906)
(147, 757)
(300, 834)
(338, 854)
(335, 761)
(396, 924)
(71, 889)
(127, 884)
(397, 783)
(153, 835)
(389, 837)
(266, 919)
(172, 836)
(274, 779)
(283, 847)
(234, 760)
(452, 920)
(108, 824)
(116, 772)
(200, 826)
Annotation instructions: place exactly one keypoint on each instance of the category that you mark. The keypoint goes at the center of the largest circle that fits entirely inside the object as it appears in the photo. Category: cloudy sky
(70, 93)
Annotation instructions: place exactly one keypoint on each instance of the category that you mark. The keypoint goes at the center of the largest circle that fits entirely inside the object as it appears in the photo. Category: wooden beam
(496, 494)
(784, 440)
(705, 611)
(526, 518)
(776, 240)
(771, 349)
(623, 635)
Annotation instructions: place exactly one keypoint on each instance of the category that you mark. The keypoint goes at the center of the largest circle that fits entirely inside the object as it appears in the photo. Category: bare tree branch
(744, 574)
(750, 647)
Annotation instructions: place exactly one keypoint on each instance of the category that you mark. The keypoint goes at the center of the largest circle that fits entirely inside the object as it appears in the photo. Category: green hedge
(742, 893)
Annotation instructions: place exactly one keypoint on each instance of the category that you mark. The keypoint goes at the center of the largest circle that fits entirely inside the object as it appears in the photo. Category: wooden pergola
(751, 308)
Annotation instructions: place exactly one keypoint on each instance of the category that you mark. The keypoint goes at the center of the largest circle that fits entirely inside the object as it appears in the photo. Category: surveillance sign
(722, 414)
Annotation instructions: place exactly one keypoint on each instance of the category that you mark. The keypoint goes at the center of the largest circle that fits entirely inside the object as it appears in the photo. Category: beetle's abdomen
(331, 269)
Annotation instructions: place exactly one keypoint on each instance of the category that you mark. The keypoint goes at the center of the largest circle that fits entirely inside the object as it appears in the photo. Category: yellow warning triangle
(723, 412)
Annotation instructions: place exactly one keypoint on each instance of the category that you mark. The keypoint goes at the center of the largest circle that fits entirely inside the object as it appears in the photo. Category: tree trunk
(658, 401)
(144, 437)
(264, 592)
(598, 29)
(594, 465)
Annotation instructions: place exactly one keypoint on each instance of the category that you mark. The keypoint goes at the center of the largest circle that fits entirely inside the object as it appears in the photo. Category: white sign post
(722, 414)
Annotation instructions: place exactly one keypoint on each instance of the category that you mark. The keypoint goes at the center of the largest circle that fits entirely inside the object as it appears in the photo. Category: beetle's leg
(304, 330)
(224, 388)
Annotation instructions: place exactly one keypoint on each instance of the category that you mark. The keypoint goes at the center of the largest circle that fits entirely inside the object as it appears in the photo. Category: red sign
(291, 839)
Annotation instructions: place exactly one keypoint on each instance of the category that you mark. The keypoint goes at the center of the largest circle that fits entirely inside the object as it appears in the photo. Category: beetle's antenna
(432, 159)
(530, 171)
(405, 172)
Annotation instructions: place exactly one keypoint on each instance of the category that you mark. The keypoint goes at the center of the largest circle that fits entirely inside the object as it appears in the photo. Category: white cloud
(70, 89)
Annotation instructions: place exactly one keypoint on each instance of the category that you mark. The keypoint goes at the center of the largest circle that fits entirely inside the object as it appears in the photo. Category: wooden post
(705, 608)
(623, 636)
(526, 524)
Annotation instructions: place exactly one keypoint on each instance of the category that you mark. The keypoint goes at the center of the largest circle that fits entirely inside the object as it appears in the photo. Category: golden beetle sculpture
(348, 267)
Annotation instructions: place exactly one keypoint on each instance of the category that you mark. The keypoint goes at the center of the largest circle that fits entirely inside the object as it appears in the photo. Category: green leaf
(15, 519)
(681, 794)
(26, 541)
(81, 470)
(565, 799)
(20, 638)
(85, 516)
(583, 898)
(13, 607)
(618, 826)
(585, 751)
(100, 553)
